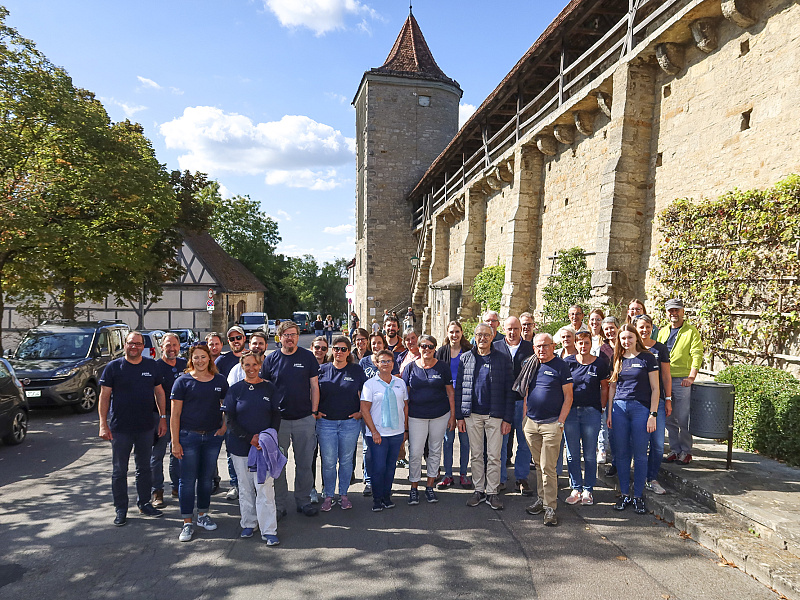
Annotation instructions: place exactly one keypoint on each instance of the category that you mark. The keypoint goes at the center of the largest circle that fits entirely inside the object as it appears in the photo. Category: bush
(487, 287)
(468, 327)
(767, 412)
(571, 284)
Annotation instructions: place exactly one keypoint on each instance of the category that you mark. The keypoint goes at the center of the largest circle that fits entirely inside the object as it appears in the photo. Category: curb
(732, 542)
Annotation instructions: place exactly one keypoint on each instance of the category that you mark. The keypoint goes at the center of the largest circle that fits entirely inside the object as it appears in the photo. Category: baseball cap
(237, 329)
(674, 303)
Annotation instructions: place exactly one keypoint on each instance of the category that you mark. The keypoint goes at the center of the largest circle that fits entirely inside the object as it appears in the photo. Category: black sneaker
(121, 518)
(377, 506)
(638, 506)
(367, 490)
(413, 497)
(147, 510)
(430, 495)
(623, 502)
(611, 470)
(388, 503)
(308, 510)
(476, 498)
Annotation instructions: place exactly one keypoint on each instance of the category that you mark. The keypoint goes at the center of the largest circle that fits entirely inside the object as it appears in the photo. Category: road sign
(210, 306)
(349, 288)
(210, 294)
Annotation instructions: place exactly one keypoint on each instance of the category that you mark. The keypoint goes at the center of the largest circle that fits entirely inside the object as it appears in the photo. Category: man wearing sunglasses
(225, 363)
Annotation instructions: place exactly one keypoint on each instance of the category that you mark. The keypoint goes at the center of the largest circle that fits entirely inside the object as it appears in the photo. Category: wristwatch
(654, 414)
(163, 416)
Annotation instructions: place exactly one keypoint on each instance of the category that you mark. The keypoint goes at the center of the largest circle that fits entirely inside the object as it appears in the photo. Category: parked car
(60, 362)
(253, 321)
(303, 320)
(188, 338)
(152, 343)
(13, 406)
(273, 327)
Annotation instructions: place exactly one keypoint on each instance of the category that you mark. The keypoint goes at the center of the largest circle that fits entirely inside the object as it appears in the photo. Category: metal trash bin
(711, 412)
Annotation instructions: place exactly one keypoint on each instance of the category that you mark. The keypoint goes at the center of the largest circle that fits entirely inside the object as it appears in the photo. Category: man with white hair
(492, 319)
(546, 385)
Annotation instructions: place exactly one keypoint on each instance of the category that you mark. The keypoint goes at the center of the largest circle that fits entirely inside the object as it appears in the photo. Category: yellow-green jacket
(687, 353)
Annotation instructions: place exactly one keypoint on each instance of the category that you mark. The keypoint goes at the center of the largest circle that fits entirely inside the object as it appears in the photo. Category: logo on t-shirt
(636, 365)
(436, 376)
(348, 378)
(217, 389)
(551, 373)
(298, 365)
(146, 374)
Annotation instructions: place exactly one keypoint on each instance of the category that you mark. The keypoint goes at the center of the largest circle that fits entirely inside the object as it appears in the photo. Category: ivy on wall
(487, 287)
(570, 283)
(734, 261)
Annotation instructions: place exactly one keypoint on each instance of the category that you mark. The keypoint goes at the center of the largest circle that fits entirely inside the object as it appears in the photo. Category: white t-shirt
(512, 349)
(373, 392)
(236, 374)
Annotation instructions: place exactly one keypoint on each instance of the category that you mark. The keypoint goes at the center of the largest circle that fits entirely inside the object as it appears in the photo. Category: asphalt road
(58, 542)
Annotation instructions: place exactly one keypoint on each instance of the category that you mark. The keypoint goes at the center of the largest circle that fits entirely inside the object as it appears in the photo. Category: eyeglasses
(542, 346)
(134, 344)
(483, 336)
(427, 347)
(321, 348)
(385, 362)
(492, 321)
(340, 349)
(235, 338)
(288, 335)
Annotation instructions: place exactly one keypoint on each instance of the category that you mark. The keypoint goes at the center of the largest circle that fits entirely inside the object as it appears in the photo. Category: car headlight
(66, 371)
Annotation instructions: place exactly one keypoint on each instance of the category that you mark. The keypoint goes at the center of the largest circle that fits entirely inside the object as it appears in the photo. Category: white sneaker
(187, 531)
(233, 494)
(206, 523)
(574, 497)
(601, 458)
(586, 498)
(656, 487)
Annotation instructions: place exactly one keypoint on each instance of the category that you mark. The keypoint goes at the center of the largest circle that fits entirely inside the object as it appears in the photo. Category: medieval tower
(406, 114)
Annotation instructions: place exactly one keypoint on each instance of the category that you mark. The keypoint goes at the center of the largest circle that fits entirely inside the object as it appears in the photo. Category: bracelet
(668, 399)
(163, 416)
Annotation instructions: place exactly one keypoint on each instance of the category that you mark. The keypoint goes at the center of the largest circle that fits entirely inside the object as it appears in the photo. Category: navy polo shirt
(169, 375)
(633, 381)
(291, 374)
(201, 402)
(482, 387)
(251, 408)
(339, 390)
(586, 381)
(225, 362)
(661, 352)
(427, 390)
(546, 394)
(132, 394)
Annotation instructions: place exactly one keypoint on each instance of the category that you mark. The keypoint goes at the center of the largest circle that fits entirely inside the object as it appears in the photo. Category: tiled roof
(411, 57)
(232, 275)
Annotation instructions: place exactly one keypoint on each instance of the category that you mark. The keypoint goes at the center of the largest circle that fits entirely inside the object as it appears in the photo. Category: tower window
(424, 100)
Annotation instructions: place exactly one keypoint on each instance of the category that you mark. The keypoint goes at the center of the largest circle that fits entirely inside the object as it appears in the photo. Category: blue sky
(257, 93)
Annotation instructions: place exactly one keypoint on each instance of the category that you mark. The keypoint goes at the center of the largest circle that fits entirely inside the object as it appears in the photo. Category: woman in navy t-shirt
(589, 398)
(431, 411)
(252, 406)
(197, 432)
(644, 325)
(339, 420)
(449, 353)
(634, 387)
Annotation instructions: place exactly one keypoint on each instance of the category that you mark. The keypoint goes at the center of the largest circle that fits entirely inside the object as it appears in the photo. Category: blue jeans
(382, 462)
(157, 459)
(522, 460)
(580, 430)
(629, 428)
(329, 336)
(656, 454)
(141, 443)
(200, 454)
(463, 452)
(337, 442)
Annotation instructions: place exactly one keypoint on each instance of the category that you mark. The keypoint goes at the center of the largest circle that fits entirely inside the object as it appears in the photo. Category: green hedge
(767, 414)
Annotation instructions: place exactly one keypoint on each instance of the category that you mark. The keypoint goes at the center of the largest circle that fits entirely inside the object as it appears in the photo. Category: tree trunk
(2, 314)
(68, 306)
(141, 311)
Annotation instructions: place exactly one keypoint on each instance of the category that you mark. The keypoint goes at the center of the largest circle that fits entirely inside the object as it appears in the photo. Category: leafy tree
(330, 285)
(570, 284)
(302, 278)
(487, 287)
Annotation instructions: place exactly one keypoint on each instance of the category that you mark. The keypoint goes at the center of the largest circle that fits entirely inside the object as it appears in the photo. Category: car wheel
(88, 401)
(19, 428)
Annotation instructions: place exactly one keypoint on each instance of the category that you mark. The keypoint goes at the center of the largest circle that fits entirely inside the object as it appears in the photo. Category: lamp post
(415, 261)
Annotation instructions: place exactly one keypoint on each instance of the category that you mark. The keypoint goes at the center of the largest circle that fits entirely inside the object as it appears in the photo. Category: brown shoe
(158, 499)
(174, 492)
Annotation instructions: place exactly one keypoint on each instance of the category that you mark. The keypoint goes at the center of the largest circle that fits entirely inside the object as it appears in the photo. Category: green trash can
(711, 412)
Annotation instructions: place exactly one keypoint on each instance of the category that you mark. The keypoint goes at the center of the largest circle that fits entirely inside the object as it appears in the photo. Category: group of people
(606, 392)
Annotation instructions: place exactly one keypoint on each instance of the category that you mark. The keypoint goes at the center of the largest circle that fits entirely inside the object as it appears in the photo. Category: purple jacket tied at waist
(269, 460)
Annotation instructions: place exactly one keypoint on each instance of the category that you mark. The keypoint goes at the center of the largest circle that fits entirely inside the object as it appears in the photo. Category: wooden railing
(572, 79)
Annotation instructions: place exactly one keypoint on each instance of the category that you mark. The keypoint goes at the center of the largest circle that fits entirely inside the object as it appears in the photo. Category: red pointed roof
(411, 57)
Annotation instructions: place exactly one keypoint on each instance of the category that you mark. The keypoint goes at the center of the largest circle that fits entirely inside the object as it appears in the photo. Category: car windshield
(252, 320)
(183, 336)
(51, 344)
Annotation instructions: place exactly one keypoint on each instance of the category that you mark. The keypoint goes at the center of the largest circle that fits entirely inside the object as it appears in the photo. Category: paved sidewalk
(749, 515)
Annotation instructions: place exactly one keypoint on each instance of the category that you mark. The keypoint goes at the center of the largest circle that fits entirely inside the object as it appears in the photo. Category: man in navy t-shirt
(547, 404)
(169, 367)
(129, 387)
(295, 372)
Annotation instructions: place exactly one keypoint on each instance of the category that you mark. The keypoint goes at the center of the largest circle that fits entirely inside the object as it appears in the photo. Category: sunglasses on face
(321, 348)
(235, 338)
(339, 349)
(385, 362)
(427, 347)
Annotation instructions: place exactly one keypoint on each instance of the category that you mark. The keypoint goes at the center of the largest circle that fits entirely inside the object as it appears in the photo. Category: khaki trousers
(485, 480)
(544, 440)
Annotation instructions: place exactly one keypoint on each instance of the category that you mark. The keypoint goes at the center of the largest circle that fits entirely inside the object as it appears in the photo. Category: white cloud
(295, 151)
(321, 16)
(285, 215)
(176, 91)
(338, 97)
(148, 83)
(465, 112)
(340, 229)
(128, 109)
